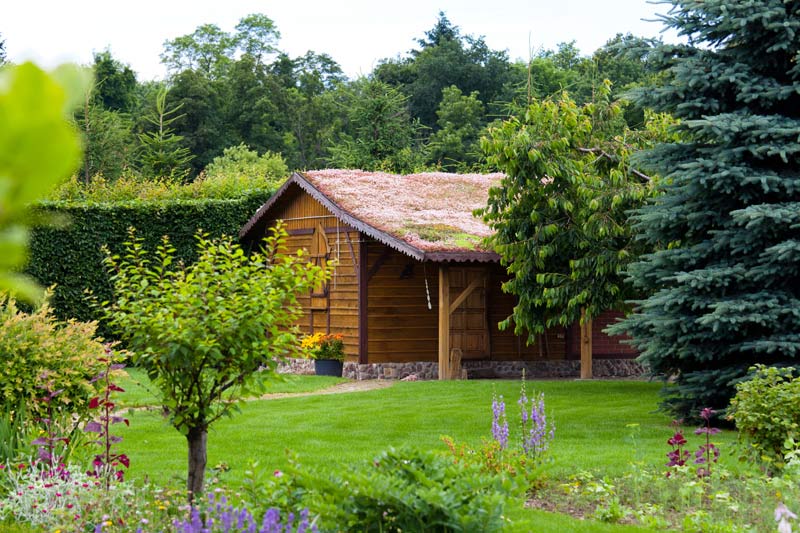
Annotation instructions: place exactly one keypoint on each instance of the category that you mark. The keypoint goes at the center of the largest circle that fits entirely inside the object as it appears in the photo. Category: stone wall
(601, 368)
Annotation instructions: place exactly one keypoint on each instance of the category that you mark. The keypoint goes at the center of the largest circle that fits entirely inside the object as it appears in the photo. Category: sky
(356, 33)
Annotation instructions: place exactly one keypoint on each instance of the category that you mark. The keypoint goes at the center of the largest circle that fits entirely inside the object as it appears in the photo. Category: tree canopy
(209, 332)
(723, 281)
(561, 211)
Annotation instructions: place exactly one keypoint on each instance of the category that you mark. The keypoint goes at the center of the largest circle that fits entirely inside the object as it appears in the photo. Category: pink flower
(278, 473)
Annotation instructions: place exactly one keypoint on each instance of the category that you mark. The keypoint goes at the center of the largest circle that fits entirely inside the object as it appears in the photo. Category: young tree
(724, 283)
(162, 154)
(109, 142)
(210, 332)
(561, 212)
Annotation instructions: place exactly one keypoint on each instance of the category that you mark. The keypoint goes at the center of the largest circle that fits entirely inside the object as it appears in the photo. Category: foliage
(766, 410)
(688, 498)
(723, 285)
(115, 83)
(161, 153)
(70, 256)
(41, 354)
(15, 433)
(454, 146)
(561, 211)
(379, 133)
(202, 123)
(399, 490)
(445, 58)
(324, 346)
(38, 148)
(220, 324)
(109, 144)
(242, 161)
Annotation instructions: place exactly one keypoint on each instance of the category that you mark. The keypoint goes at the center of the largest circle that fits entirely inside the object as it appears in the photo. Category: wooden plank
(586, 346)
(444, 321)
(466, 292)
(363, 280)
(379, 262)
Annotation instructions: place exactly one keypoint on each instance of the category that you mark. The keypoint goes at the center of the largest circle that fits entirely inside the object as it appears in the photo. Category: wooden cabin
(412, 280)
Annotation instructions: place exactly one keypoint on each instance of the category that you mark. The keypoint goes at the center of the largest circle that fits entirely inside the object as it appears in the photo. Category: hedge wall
(70, 256)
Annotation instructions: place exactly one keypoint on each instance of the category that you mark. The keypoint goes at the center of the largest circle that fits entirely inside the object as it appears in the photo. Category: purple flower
(499, 422)
(707, 413)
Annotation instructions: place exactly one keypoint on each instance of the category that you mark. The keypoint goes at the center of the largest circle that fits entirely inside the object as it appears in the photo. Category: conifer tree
(723, 286)
(162, 154)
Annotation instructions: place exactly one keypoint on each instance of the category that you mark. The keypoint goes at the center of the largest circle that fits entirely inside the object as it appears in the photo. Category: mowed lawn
(595, 426)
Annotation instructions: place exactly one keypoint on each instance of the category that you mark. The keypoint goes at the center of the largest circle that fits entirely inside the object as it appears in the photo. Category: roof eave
(305, 184)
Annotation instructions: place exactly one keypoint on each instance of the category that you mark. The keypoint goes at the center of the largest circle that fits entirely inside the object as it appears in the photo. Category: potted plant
(327, 351)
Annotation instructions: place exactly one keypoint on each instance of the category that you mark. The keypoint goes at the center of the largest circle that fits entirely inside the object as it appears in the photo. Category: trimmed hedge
(70, 255)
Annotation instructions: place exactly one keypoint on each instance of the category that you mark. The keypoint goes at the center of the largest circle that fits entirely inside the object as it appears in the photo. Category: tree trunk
(196, 439)
(586, 346)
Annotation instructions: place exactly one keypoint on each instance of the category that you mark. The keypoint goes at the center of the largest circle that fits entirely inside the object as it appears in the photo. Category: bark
(197, 440)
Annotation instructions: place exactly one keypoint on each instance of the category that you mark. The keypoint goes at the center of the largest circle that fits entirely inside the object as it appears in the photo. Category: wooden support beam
(477, 282)
(444, 321)
(387, 252)
(586, 346)
(363, 282)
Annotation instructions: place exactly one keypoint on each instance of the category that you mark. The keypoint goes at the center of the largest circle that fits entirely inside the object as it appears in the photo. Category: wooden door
(469, 322)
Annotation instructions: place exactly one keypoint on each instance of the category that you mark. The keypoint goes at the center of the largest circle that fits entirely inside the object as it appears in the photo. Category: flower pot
(328, 367)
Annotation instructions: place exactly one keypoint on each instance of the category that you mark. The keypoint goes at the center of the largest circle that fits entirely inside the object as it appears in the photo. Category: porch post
(586, 346)
(444, 321)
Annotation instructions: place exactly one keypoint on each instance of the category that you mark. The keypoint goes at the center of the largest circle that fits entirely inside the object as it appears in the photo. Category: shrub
(400, 490)
(70, 257)
(42, 357)
(766, 410)
(243, 163)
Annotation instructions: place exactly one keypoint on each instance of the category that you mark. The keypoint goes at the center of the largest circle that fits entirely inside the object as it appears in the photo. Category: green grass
(139, 392)
(592, 431)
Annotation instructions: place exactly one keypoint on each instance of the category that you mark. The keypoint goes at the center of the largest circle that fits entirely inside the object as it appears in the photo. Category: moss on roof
(429, 211)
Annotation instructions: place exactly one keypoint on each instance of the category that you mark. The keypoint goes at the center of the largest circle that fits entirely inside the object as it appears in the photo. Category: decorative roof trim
(301, 181)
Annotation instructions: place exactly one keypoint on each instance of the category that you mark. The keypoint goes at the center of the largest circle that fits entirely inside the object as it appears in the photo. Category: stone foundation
(601, 368)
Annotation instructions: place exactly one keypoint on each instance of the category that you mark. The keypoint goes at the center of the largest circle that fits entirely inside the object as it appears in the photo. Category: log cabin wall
(334, 309)
(401, 328)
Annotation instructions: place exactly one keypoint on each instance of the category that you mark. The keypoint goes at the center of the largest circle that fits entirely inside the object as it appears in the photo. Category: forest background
(236, 96)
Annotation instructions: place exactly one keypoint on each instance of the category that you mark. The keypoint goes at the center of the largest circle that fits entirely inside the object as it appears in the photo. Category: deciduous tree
(209, 332)
(561, 212)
